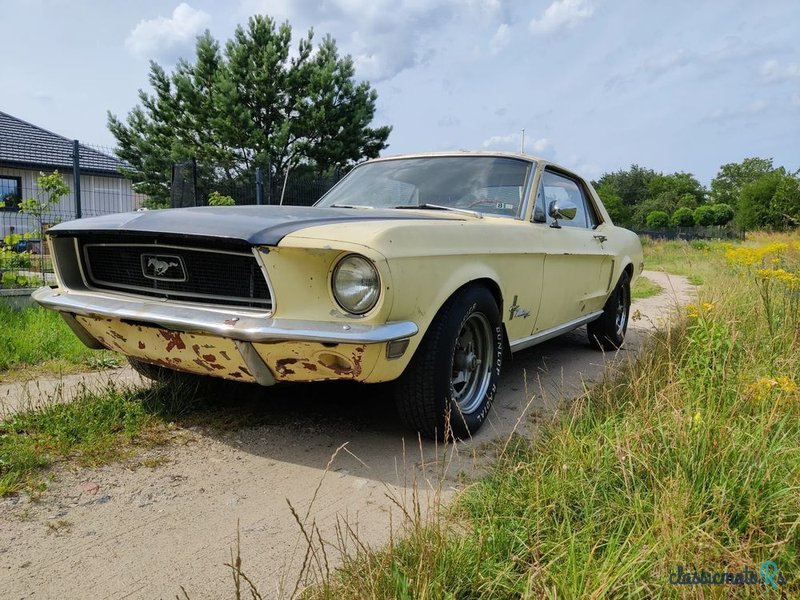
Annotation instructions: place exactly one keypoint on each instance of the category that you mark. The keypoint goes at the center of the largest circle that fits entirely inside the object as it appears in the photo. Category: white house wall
(99, 195)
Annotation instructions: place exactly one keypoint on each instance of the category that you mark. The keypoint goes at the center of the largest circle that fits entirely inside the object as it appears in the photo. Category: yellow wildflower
(781, 275)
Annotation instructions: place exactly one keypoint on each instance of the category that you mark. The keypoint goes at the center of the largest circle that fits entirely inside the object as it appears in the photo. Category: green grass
(645, 288)
(96, 428)
(37, 341)
(689, 456)
(680, 257)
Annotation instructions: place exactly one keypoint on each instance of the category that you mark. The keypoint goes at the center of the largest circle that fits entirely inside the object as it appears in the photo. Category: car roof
(517, 155)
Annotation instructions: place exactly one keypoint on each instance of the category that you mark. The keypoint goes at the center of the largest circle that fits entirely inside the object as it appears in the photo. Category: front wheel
(448, 388)
(608, 332)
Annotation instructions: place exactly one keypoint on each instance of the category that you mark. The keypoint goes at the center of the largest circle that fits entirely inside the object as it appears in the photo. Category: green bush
(723, 214)
(657, 219)
(9, 279)
(683, 217)
(704, 215)
(217, 199)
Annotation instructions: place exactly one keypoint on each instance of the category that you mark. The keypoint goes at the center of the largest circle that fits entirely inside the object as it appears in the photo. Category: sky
(597, 85)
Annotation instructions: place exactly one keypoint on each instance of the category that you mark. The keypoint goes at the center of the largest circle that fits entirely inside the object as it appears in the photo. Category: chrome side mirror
(562, 209)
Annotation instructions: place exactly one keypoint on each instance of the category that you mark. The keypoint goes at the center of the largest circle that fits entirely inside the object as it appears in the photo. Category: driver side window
(557, 188)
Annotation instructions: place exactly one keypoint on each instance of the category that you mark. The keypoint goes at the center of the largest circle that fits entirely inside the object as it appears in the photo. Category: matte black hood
(256, 225)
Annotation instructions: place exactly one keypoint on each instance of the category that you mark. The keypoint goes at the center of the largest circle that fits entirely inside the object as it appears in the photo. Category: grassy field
(688, 457)
(37, 341)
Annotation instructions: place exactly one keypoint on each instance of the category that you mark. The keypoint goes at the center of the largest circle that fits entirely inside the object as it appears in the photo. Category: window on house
(10, 192)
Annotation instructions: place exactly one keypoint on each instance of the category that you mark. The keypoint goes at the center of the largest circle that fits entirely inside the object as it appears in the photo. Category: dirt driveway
(168, 518)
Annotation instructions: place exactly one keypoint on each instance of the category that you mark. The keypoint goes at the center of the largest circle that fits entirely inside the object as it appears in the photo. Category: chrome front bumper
(180, 317)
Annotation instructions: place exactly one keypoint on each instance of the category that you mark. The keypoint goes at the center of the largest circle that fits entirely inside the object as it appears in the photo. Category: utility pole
(522, 145)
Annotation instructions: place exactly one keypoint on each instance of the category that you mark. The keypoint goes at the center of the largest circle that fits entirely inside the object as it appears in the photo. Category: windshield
(487, 184)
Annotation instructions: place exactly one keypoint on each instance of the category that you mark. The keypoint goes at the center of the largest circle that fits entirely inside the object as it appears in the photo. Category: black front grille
(180, 273)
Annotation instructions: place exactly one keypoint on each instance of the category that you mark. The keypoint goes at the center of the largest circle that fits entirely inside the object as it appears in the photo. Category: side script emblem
(163, 267)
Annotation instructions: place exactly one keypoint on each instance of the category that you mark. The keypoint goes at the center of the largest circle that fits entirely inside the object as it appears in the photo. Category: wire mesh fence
(94, 185)
(713, 232)
(44, 180)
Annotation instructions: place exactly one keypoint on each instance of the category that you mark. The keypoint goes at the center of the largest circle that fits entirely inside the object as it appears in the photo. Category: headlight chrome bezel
(371, 271)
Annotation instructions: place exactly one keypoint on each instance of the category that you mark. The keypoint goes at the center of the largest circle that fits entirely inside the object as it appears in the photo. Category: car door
(577, 264)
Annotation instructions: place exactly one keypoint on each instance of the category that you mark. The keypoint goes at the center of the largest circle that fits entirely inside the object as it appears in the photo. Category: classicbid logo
(768, 574)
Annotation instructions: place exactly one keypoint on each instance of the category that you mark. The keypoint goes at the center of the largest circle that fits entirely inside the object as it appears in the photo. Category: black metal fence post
(269, 181)
(259, 186)
(76, 176)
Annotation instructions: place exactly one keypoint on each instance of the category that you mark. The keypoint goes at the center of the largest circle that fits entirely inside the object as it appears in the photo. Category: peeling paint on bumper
(204, 354)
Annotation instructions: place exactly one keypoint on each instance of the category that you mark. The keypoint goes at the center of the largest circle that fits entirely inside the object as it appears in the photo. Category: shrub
(723, 214)
(217, 199)
(704, 215)
(657, 219)
(683, 217)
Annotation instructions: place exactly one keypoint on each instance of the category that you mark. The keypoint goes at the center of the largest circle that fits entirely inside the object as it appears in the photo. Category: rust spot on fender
(282, 368)
(142, 346)
(358, 355)
(310, 366)
(224, 355)
(237, 375)
(210, 358)
(174, 339)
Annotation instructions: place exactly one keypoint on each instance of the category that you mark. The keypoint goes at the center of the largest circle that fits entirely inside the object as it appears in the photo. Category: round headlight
(356, 284)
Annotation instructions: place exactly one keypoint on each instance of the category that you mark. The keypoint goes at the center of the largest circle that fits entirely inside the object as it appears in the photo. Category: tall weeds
(689, 456)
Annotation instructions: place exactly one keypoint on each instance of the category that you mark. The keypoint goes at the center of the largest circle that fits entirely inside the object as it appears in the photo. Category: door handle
(600, 238)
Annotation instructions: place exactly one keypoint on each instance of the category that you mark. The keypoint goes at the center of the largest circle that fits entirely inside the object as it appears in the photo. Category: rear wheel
(608, 332)
(448, 388)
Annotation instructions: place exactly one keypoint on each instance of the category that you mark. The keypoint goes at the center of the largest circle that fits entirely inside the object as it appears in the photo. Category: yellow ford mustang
(425, 270)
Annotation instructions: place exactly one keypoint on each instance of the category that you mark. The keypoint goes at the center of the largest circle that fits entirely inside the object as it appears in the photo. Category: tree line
(751, 194)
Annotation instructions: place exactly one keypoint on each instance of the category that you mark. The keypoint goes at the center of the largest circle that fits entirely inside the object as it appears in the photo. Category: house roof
(23, 144)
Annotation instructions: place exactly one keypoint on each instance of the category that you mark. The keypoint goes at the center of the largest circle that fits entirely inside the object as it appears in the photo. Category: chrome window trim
(528, 188)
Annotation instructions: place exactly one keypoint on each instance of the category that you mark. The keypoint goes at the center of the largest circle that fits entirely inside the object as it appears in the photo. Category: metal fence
(693, 233)
(92, 185)
(297, 188)
(95, 186)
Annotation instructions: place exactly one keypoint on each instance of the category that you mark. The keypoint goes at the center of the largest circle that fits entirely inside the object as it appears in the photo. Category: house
(27, 150)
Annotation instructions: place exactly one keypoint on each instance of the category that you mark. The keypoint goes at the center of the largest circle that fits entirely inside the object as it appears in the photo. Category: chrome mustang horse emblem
(163, 267)
(160, 267)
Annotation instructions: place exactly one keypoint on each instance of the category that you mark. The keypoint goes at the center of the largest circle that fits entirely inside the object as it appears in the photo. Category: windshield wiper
(462, 211)
(349, 206)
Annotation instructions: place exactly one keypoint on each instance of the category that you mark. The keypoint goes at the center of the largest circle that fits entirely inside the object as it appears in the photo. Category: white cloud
(755, 108)
(384, 37)
(538, 146)
(772, 70)
(513, 141)
(167, 37)
(561, 14)
(502, 140)
(501, 38)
